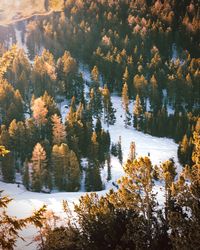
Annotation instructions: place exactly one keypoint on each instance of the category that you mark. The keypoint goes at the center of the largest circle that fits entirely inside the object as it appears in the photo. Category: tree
(138, 112)
(66, 168)
(132, 151)
(43, 74)
(183, 151)
(39, 168)
(136, 191)
(119, 150)
(3, 151)
(155, 99)
(109, 111)
(26, 175)
(58, 130)
(125, 104)
(96, 95)
(93, 178)
(18, 139)
(10, 226)
(39, 111)
(185, 226)
(94, 147)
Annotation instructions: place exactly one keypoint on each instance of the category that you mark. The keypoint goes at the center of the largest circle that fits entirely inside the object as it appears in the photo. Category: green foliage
(11, 226)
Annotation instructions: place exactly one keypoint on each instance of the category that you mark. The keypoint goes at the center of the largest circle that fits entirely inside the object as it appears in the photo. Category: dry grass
(13, 10)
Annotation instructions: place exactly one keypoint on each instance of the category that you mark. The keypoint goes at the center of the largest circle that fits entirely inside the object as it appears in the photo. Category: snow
(20, 43)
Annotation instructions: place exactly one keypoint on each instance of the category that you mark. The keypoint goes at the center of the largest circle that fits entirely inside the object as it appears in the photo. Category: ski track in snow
(160, 149)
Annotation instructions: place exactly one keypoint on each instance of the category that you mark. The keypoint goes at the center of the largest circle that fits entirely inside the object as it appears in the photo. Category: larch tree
(132, 151)
(39, 112)
(97, 96)
(125, 104)
(39, 167)
(136, 191)
(58, 130)
(138, 112)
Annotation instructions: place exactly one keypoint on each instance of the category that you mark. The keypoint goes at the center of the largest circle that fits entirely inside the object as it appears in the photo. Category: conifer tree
(26, 175)
(66, 168)
(39, 112)
(94, 148)
(18, 139)
(136, 191)
(58, 130)
(93, 178)
(132, 151)
(138, 112)
(8, 168)
(109, 111)
(125, 103)
(183, 150)
(97, 96)
(119, 150)
(10, 226)
(39, 167)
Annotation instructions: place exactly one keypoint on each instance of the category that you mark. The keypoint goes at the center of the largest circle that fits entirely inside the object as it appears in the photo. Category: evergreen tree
(132, 151)
(119, 150)
(18, 139)
(183, 151)
(109, 111)
(39, 167)
(138, 114)
(39, 112)
(93, 178)
(136, 192)
(58, 130)
(125, 103)
(8, 168)
(66, 168)
(96, 96)
(26, 175)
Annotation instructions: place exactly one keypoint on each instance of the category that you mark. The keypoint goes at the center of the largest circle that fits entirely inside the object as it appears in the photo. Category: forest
(57, 125)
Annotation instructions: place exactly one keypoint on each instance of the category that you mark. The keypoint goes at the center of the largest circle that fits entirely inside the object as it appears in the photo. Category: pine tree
(183, 150)
(119, 150)
(18, 139)
(10, 226)
(125, 103)
(39, 112)
(93, 178)
(26, 175)
(132, 151)
(96, 95)
(94, 147)
(126, 75)
(154, 95)
(138, 112)
(109, 111)
(58, 130)
(136, 191)
(8, 168)
(39, 166)
(66, 168)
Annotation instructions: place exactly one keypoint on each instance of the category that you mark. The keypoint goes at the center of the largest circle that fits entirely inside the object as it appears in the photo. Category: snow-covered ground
(159, 149)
